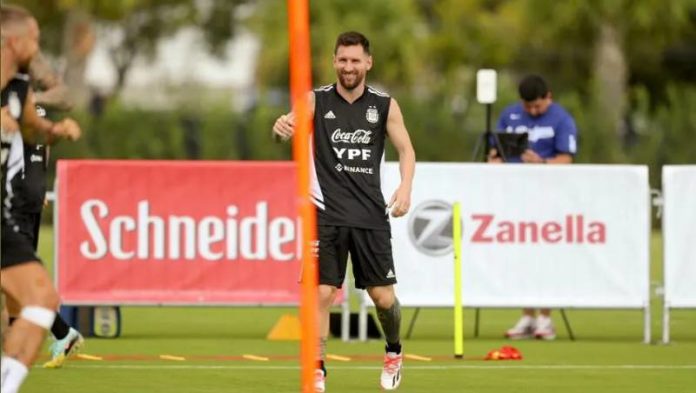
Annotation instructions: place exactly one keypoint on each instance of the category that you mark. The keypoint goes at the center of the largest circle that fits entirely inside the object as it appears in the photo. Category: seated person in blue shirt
(552, 137)
(551, 129)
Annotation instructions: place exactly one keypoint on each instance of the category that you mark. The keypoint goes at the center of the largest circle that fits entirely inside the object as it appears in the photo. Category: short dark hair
(12, 14)
(533, 87)
(351, 38)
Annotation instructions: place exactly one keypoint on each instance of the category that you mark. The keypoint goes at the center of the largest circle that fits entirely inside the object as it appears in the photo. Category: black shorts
(370, 252)
(17, 248)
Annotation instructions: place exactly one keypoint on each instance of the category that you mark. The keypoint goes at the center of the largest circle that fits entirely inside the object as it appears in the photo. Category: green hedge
(664, 134)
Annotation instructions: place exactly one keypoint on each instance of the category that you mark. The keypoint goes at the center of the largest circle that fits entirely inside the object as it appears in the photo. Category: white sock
(13, 374)
(529, 320)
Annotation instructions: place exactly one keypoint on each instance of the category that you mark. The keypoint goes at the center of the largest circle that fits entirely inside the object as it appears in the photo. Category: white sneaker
(391, 372)
(524, 328)
(319, 381)
(544, 328)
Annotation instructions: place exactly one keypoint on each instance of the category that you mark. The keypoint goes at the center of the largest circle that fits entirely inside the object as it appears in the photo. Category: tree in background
(595, 53)
(136, 27)
(625, 68)
(400, 59)
(605, 48)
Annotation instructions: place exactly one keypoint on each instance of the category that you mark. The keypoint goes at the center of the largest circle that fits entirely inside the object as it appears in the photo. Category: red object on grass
(504, 353)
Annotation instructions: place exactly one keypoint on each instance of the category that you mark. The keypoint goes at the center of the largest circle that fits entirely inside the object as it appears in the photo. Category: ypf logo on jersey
(372, 115)
(430, 227)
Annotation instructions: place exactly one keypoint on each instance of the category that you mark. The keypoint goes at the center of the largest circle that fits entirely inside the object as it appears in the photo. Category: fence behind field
(155, 232)
(679, 231)
(226, 233)
(533, 236)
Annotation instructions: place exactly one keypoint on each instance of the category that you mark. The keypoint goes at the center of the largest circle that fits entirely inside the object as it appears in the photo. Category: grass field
(204, 351)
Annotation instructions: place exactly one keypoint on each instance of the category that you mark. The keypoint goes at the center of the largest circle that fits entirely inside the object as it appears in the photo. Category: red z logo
(485, 222)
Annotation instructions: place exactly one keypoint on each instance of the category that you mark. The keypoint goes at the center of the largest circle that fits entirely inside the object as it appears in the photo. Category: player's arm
(54, 93)
(531, 157)
(562, 158)
(396, 129)
(7, 123)
(34, 125)
(284, 126)
(564, 143)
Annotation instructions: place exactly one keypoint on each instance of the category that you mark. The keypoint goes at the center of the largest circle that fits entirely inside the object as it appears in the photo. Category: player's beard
(23, 66)
(352, 83)
(23, 63)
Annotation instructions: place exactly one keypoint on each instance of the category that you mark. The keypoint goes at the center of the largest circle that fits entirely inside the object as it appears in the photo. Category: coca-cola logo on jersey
(357, 136)
(225, 236)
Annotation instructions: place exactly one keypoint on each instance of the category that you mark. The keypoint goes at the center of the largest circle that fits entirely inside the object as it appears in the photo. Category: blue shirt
(550, 134)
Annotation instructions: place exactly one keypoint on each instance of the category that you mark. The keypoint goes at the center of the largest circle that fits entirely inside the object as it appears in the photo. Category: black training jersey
(348, 155)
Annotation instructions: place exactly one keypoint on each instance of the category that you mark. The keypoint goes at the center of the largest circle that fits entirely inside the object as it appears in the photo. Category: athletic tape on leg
(39, 316)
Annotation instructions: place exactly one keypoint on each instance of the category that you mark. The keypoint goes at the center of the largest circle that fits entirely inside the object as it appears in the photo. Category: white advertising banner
(532, 235)
(679, 232)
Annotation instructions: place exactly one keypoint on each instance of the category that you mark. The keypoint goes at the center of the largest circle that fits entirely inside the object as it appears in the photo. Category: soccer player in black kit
(351, 123)
(30, 192)
(25, 208)
(24, 280)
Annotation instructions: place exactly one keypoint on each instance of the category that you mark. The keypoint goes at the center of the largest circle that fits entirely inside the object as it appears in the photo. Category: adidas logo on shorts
(391, 274)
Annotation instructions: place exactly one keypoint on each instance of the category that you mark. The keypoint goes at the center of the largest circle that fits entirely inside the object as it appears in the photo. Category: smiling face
(351, 64)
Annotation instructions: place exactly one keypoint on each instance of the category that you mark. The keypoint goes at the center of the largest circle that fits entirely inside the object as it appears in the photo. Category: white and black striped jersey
(24, 202)
(348, 156)
(13, 97)
(30, 188)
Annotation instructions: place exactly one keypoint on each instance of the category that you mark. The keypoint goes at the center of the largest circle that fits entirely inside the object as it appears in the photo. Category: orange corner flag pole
(300, 86)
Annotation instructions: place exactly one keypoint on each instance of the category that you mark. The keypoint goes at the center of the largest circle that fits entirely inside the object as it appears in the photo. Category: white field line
(492, 367)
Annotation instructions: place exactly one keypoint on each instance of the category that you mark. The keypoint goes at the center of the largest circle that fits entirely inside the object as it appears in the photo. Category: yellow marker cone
(287, 328)
(338, 357)
(172, 357)
(88, 357)
(256, 358)
(417, 357)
